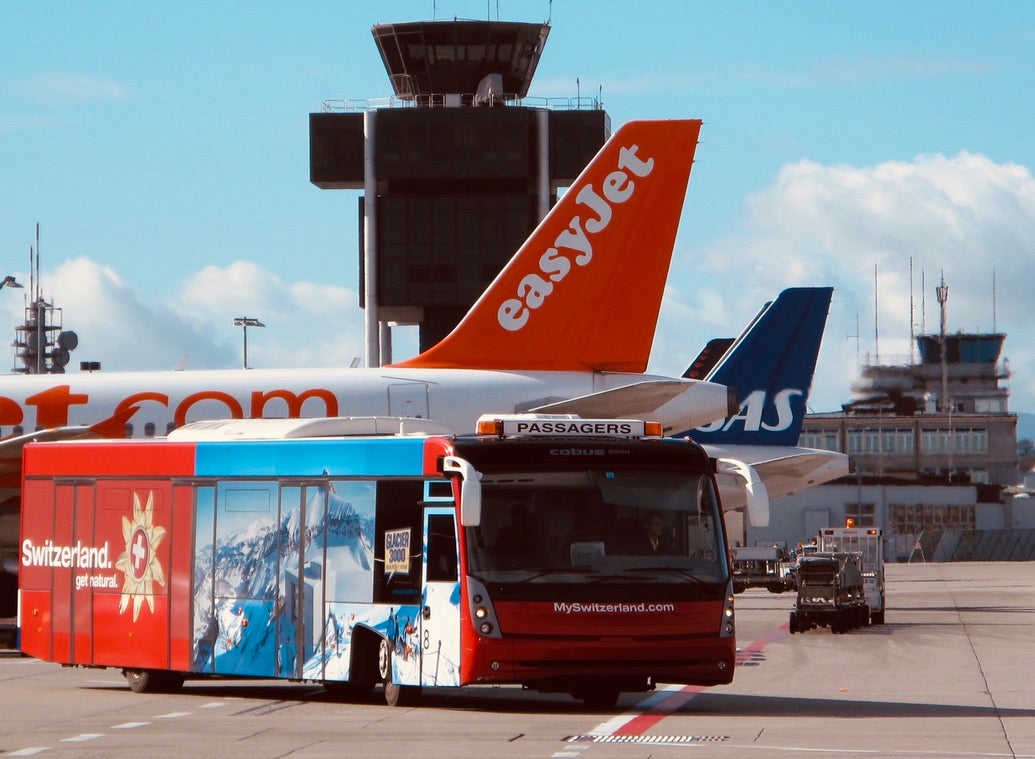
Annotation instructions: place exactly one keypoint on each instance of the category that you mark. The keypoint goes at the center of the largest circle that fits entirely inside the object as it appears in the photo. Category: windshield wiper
(601, 578)
(537, 573)
(674, 570)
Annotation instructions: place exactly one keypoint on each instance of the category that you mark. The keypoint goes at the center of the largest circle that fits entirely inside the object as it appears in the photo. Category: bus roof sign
(565, 425)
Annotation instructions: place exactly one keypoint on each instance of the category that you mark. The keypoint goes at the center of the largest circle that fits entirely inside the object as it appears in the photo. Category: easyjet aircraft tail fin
(584, 291)
(770, 366)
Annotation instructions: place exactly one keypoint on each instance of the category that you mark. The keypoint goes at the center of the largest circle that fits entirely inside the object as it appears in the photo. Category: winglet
(584, 291)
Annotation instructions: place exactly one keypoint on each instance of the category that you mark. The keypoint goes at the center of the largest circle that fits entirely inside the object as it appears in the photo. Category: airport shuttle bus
(558, 553)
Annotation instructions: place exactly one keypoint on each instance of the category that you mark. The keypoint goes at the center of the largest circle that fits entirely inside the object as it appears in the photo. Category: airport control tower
(456, 170)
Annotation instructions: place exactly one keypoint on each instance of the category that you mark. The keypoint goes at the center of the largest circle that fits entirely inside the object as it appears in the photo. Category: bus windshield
(598, 526)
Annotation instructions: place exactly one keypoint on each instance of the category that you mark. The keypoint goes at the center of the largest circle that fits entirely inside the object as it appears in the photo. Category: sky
(876, 147)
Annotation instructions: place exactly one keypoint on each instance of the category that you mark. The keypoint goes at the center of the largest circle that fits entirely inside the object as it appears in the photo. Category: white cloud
(113, 325)
(61, 88)
(965, 215)
(307, 324)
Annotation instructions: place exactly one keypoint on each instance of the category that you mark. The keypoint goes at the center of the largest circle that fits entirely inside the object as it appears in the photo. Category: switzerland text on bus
(567, 555)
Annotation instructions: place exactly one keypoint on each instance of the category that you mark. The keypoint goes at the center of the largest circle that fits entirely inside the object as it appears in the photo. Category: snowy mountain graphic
(262, 583)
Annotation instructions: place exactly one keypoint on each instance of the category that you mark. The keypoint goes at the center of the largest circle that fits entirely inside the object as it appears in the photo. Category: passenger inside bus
(653, 538)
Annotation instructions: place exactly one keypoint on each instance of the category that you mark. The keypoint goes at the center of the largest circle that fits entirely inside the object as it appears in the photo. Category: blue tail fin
(771, 366)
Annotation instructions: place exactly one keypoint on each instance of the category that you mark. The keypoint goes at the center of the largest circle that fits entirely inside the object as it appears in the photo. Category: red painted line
(641, 723)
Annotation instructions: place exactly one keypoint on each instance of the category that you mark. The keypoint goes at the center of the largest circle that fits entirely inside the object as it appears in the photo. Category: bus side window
(398, 512)
(441, 548)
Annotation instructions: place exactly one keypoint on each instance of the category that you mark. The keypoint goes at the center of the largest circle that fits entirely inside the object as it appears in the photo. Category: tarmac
(951, 673)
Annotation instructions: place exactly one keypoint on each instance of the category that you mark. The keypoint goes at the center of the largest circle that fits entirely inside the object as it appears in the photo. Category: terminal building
(934, 453)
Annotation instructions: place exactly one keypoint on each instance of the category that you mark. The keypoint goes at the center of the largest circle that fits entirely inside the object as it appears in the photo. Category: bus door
(72, 609)
(301, 593)
(440, 612)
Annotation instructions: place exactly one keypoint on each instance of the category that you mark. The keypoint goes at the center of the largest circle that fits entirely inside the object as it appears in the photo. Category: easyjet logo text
(54, 405)
(573, 245)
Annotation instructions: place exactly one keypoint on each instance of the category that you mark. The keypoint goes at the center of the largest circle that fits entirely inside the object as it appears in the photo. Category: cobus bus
(355, 552)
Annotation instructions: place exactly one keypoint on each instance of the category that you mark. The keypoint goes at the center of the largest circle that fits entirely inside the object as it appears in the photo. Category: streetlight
(244, 322)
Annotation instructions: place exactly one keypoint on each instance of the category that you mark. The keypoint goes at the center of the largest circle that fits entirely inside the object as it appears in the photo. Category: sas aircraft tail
(584, 291)
(770, 366)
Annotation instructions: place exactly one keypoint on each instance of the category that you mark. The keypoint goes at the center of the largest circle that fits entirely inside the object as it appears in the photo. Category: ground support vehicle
(762, 567)
(355, 553)
(830, 593)
(868, 542)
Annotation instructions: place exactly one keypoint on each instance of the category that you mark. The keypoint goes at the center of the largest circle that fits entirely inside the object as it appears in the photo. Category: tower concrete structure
(456, 169)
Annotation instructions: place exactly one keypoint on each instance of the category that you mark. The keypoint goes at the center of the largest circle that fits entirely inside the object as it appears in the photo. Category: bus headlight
(726, 626)
(482, 614)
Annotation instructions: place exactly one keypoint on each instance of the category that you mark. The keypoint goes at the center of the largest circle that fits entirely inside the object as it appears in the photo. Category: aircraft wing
(677, 404)
(782, 470)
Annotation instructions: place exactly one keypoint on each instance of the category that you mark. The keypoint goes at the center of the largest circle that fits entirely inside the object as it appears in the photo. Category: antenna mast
(912, 331)
(41, 344)
(995, 303)
(942, 291)
(876, 330)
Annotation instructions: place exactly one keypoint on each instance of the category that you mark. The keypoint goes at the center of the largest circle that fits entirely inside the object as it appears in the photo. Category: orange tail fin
(584, 291)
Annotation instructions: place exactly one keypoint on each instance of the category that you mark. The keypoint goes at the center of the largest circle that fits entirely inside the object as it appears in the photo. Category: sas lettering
(573, 244)
(751, 413)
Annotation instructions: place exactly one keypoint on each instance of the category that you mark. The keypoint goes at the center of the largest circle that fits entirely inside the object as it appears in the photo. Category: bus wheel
(140, 680)
(395, 695)
(151, 681)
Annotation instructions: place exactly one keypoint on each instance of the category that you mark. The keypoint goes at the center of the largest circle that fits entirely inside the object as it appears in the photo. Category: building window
(915, 518)
(825, 440)
(861, 514)
(884, 441)
(955, 440)
(854, 441)
(904, 440)
(990, 405)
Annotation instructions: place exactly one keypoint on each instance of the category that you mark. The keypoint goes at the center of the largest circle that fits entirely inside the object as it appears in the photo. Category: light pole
(244, 322)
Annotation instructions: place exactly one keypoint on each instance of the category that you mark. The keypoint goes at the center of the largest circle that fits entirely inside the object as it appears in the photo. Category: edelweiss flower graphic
(140, 559)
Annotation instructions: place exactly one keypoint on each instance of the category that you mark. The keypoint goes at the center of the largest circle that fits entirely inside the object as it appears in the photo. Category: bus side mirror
(754, 490)
(470, 503)
(470, 489)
